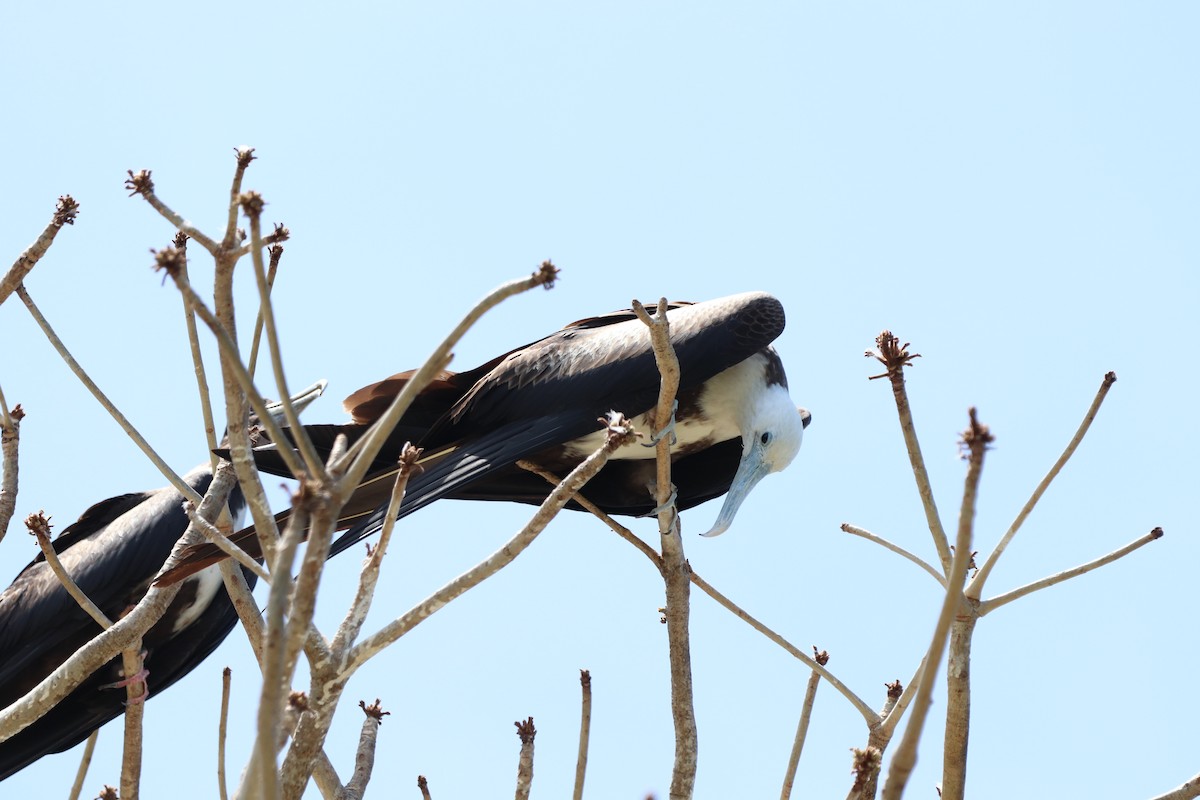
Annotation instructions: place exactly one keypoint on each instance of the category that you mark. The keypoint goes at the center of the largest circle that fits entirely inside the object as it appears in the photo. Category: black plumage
(112, 552)
(541, 402)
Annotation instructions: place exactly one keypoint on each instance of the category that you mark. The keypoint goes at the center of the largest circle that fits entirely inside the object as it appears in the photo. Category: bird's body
(112, 552)
(541, 402)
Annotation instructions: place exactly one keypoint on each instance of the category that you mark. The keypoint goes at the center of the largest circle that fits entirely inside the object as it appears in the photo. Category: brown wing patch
(368, 403)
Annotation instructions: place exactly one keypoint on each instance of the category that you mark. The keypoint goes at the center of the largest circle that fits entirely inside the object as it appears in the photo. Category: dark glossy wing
(89, 706)
(112, 564)
(612, 366)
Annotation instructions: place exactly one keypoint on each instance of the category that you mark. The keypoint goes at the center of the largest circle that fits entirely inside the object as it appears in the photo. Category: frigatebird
(734, 424)
(113, 551)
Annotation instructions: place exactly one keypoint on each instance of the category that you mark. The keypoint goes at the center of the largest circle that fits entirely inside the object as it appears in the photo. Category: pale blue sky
(1011, 187)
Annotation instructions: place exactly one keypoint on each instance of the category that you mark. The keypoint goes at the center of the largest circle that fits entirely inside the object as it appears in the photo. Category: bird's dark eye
(765, 438)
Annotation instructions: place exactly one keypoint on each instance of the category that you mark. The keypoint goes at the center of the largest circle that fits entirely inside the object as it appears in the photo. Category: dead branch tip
(976, 435)
(38, 524)
(298, 701)
(894, 689)
(1110, 378)
(546, 274)
(252, 204)
(585, 678)
(891, 354)
(180, 241)
(65, 211)
(525, 730)
(280, 234)
(1157, 533)
(820, 656)
(409, 458)
(619, 430)
(17, 413)
(107, 793)
(375, 710)
(139, 183)
(244, 156)
(170, 260)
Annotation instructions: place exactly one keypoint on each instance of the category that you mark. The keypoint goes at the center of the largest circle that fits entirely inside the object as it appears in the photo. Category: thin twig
(231, 363)
(130, 431)
(274, 688)
(222, 728)
(526, 732)
(252, 204)
(64, 214)
(585, 729)
(276, 251)
(364, 757)
(328, 685)
(245, 606)
(84, 762)
(10, 438)
(975, 587)
(189, 318)
(423, 785)
(867, 712)
(896, 357)
(1186, 791)
(626, 534)
(618, 432)
(39, 525)
(366, 448)
(993, 603)
(895, 548)
(213, 534)
(976, 438)
(356, 615)
(810, 696)
(141, 183)
(245, 155)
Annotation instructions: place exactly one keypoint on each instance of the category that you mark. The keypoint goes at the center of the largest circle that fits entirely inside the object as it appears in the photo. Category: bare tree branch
(64, 214)
(987, 606)
(141, 183)
(365, 449)
(123, 634)
(975, 587)
(39, 525)
(222, 728)
(252, 204)
(10, 437)
(84, 762)
(1188, 790)
(618, 433)
(130, 431)
(526, 732)
(585, 729)
(895, 548)
(135, 707)
(810, 696)
(867, 712)
(364, 759)
(976, 438)
(896, 357)
(676, 572)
